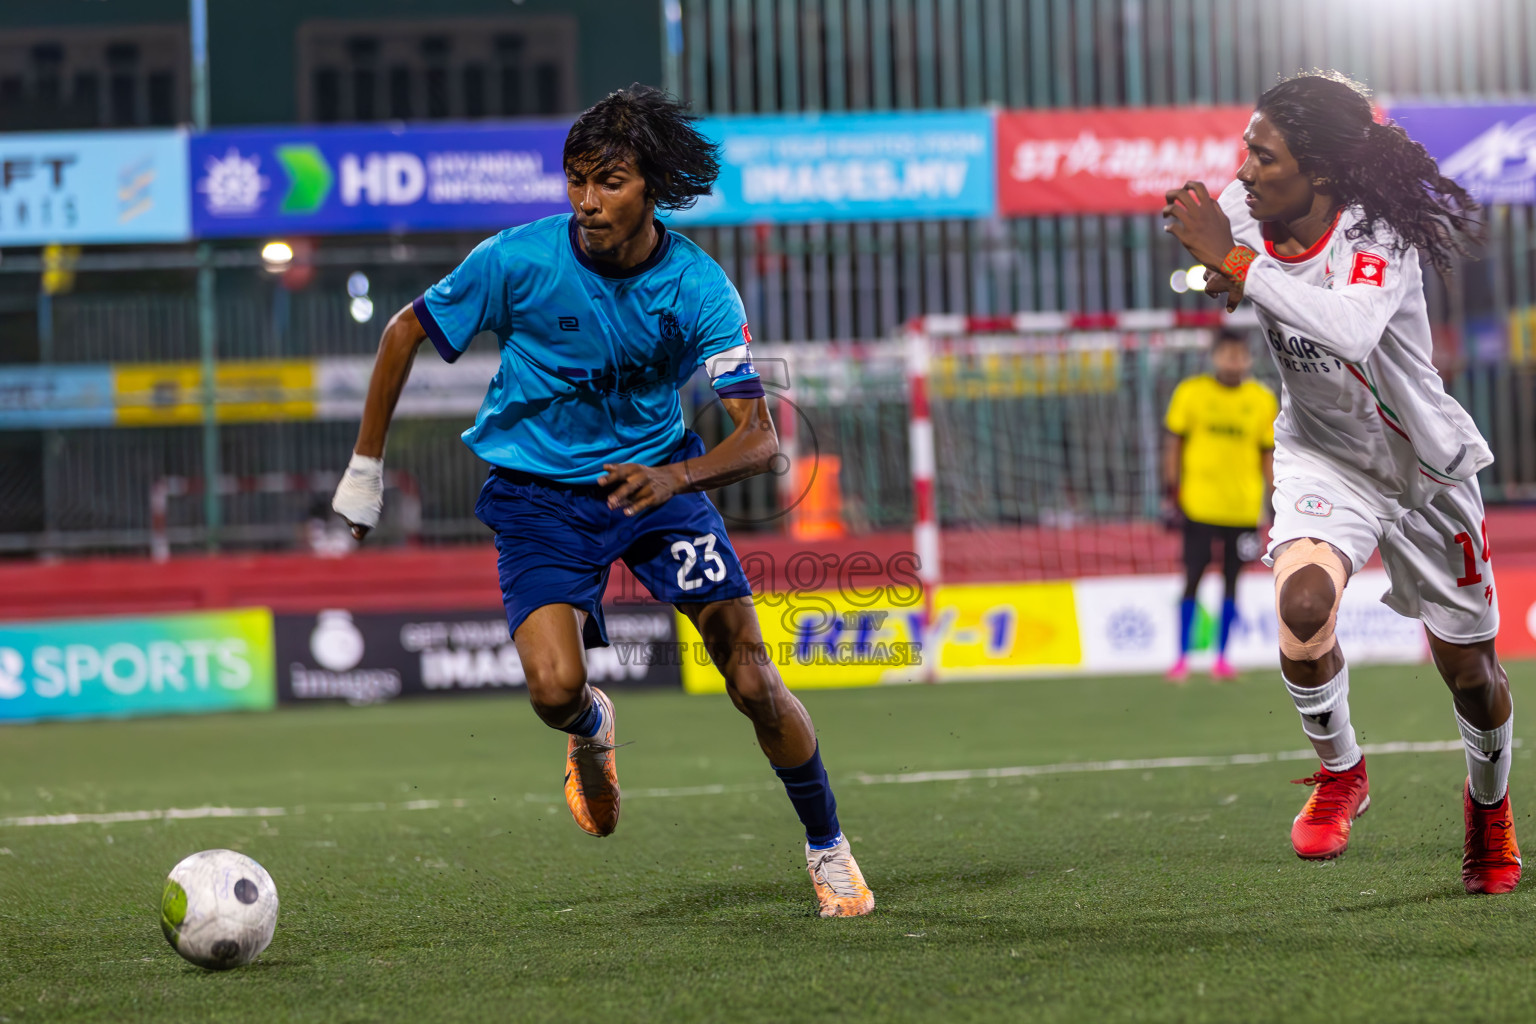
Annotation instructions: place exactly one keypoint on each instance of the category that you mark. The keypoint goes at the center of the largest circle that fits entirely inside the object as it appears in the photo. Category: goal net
(1017, 448)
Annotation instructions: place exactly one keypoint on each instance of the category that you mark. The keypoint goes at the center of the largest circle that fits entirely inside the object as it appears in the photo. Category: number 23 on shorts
(688, 554)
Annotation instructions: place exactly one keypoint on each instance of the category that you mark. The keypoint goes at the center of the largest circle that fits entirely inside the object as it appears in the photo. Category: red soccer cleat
(1321, 830)
(1490, 860)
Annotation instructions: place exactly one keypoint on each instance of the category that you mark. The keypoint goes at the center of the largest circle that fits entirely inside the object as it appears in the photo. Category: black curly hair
(646, 125)
(1330, 127)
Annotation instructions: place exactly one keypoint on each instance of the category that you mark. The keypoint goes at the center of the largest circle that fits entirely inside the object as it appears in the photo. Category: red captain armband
(1235, 266)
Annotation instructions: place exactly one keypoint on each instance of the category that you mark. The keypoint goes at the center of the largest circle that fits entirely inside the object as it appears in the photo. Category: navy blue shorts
(556, 543)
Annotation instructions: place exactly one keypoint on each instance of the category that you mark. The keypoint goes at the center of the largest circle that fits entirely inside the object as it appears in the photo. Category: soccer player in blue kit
(602, 314)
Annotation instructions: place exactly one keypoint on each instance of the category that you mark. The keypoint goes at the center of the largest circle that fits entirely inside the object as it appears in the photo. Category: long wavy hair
(1330, 127)
(647, 125)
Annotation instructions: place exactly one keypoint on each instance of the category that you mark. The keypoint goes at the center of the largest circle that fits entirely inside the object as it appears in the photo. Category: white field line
(900, 778)
(179, 813)
(1148, 763)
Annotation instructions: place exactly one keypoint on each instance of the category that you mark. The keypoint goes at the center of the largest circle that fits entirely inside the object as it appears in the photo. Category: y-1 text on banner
(355, 180)
(1113, 161)
(824, 639)
(166, 664)
(872, 166)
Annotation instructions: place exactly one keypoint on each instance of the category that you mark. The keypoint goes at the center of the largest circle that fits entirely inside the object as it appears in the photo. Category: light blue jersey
(591, 357)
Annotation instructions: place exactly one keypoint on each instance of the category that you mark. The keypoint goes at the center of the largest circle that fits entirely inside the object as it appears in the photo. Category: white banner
(435, 388)
(1131, 623)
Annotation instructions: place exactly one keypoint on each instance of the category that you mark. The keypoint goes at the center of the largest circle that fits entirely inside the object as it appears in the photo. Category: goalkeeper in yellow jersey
(1218, 464)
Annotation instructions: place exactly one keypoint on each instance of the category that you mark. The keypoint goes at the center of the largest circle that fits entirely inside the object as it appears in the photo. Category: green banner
(165, 664)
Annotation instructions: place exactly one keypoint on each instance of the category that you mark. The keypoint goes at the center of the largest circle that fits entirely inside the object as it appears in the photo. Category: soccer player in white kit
(1322, 232)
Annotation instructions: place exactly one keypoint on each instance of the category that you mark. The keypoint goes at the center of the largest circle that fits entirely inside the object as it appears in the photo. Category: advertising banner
(106, 186)
(869, 166)
(1130, 624)
(1517, 612)
(161, 394)
(828, 638)
(368, 657)
(1113, 161)
(167, 394)
(165, 664)
(37, 397)
(1489, 150)
(311, 180)
(435, 388)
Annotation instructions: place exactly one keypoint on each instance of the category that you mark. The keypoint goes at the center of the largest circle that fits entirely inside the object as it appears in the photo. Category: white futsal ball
(219, 909)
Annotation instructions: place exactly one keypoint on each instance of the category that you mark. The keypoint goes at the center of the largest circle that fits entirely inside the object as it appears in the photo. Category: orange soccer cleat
(591, 778)
(1490, 860)
(1321, 830)
(840, 888)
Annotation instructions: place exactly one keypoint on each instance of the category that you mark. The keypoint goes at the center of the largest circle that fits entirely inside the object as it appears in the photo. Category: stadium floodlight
(1179, 280)
(1194, 278)
(361, 308)
(276, 256)
(357, 284)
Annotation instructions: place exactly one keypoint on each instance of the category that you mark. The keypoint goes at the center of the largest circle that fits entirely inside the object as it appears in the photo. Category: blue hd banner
(1489, 150)
(375, 180)
(870, 166)
(93, 187)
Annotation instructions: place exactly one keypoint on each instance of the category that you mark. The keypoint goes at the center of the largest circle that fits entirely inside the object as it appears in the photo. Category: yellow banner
(824, 639)
(1522, 335)
(167, 394)
(1025, 374)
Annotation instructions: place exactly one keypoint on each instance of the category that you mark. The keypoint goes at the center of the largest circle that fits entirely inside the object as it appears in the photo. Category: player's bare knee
(1475, 672)
(555, 685)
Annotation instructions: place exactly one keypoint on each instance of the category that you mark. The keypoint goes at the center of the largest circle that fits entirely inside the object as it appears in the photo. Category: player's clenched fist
(360, 495)
(1196, 219)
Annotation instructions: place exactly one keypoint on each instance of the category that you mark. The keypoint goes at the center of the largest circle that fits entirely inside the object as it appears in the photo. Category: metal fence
(87, 489)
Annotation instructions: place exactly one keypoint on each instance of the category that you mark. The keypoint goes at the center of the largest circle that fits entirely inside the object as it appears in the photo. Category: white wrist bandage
(360, 495)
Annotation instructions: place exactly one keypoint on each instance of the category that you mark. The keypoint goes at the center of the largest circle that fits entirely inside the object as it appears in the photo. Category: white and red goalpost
(954, 360)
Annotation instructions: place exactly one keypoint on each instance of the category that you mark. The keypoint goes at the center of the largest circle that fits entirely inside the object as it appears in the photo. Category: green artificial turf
(1145, 894)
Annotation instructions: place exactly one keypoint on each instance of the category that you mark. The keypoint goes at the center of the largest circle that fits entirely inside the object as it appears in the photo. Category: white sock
(1488, 757)
(1325, 719)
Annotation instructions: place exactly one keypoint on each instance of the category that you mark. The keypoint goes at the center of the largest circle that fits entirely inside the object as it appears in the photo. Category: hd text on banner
(1489, 150)
(98, 187)
(1113, 161)
(164, 664)
(872, 166)
(376, 180)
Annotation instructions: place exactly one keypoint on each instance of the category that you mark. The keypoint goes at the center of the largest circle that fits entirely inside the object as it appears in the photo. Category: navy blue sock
(811, 794)
(1228, 616)
(588, 723)
(1186, 621)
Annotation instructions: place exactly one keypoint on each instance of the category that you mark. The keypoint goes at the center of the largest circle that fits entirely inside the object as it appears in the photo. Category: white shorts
(1436, 556)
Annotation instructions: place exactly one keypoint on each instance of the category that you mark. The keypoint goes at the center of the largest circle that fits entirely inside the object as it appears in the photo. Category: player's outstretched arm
(360, 496)
(747, 451)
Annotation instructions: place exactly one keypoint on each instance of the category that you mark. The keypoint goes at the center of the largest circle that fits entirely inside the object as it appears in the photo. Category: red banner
(1113, 161)
(1517, 611)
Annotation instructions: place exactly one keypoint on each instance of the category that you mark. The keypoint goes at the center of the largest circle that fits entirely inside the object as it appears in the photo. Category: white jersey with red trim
(1347, 325)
